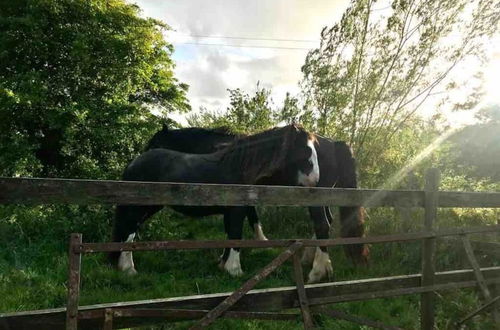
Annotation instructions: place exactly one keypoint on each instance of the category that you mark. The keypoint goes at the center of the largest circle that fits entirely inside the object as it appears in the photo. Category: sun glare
(492, 79)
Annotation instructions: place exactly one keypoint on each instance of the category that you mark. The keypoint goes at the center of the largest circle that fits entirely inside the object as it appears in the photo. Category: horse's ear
(164, 127)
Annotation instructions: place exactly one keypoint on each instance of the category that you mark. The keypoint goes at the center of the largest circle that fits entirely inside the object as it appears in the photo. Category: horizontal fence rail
(260, 300)
(219, 244)
(70, 191)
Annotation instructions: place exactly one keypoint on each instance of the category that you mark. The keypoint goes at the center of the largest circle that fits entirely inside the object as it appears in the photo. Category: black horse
(196, 140)
(286, 153)
(337, 167)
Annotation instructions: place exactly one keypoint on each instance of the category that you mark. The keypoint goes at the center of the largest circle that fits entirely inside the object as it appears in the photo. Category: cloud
(211, 70)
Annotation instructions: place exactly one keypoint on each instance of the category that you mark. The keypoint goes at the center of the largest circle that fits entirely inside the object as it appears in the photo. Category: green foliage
(372, 72)
(253, 113)
(245, 114)
(77, 80)
(477, 147)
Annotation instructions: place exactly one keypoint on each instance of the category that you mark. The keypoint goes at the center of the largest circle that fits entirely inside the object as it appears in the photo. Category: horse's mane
(261, 155)
(193, 133)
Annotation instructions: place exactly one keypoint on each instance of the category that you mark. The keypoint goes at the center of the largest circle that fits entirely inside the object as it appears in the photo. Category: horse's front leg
(322, 265)
(233, 224)
(128, 218)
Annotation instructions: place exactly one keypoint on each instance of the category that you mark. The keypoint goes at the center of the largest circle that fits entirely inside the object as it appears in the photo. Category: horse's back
(152, 165)
(165, 165)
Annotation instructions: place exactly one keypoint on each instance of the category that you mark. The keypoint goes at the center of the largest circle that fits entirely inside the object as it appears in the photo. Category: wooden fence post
(301, 293)
(427, 301)
(74, 264)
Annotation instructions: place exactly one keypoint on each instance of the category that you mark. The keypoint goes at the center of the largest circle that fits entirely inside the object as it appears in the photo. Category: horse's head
(292, 157)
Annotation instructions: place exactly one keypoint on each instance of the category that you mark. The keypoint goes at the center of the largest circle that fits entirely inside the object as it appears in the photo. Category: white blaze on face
(311, 179)
(322, 267)
(126, 262)
(232, 265)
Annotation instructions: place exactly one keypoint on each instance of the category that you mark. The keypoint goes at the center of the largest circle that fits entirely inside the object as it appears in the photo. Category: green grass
(33, 264)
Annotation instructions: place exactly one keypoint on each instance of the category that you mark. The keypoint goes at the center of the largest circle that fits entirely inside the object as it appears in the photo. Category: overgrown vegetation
(77, 81)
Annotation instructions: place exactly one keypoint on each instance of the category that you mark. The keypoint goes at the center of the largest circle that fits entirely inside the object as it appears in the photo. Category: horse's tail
(351, 218)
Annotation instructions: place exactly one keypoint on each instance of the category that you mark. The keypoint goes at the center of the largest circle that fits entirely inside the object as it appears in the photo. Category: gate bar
(479, 276)
(236, 295)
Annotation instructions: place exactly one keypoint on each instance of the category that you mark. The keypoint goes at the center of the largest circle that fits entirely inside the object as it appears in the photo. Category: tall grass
(33, 262)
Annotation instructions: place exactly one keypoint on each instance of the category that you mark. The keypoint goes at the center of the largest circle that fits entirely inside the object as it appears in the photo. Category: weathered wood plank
(71, 191)
(108, 319)
(427, 301)
(301, 293)
(263, 300)
(33, 191)
(212, 244)
(190, 314)
(74, 267)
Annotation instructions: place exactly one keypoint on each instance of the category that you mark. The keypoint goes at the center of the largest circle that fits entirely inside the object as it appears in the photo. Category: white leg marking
(258, 233)
(232, 265)
(322, 266)
(308, 254)
(311, 179)
(126, 262)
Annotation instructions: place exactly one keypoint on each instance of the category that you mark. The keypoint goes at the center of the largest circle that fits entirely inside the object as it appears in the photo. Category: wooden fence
(244, 302)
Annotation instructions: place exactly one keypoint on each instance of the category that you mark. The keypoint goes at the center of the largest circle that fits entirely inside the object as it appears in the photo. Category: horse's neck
(247, 166)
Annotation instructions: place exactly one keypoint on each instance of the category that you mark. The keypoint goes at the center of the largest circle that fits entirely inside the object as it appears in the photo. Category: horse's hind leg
(322, 265)
(233, 223)
(253, 221)
(128, 218)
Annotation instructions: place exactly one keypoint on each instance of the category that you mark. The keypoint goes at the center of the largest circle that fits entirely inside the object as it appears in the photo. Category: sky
(211, 70)
(274, 37)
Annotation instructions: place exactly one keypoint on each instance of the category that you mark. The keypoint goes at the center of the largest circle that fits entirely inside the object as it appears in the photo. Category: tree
(245, 114)
(372, 71)
(77, 81)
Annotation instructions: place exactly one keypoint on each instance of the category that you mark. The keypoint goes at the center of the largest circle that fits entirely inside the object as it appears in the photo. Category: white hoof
(233, 265)
(322, 267)
(126, 263)
(126, 260)
(258, 234)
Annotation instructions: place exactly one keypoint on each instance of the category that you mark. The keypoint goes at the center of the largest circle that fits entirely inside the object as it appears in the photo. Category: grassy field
(33, 264)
